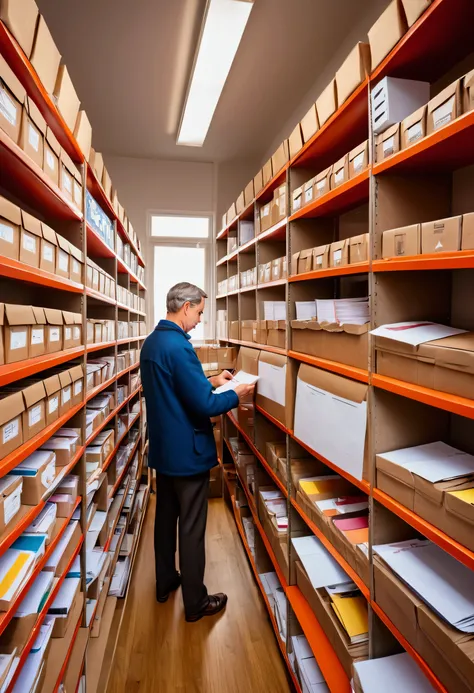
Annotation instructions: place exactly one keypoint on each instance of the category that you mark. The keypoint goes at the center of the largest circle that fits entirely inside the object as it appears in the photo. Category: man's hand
(221, 379)
(243, 391)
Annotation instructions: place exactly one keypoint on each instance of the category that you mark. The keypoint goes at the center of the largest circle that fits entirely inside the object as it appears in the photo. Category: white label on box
(29, 243)
(389, 146)
(319, 260)
(297, 203)
(77, 387)
(415, 133)
(337, 255)
(54, 334)
(18, 340)
(48, 253)
(34, 415)
(67, 181)
(11, 430)
(77, 333)
(63, 261)
(320, 185)
(47, 477)
(358, 162)
(50, 160)
(68, 333)
(11, 505)
(53, 404)
(33, 137)
(75, 266)
(443, 114)
(77, 192)
(6, 233)
(308, 195)
(37, 336)
(339, 176)
(66, 394)
(8, 107)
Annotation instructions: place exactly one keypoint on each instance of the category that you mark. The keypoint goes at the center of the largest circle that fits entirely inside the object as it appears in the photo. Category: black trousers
(182, 498)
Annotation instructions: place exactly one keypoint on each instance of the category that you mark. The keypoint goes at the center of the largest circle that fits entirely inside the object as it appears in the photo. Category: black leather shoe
(163, 597)
(216, 603)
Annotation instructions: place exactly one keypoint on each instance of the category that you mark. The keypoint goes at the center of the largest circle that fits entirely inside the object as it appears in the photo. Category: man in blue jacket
(180, 402)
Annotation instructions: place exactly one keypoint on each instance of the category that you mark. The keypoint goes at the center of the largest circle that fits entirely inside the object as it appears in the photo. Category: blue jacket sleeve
(195, 390)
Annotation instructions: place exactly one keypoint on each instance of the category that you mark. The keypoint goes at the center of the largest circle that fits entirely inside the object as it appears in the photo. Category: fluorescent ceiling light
(224, 25)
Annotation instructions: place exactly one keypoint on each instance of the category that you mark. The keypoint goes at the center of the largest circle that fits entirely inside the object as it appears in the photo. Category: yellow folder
(12, 573)
(352, 613)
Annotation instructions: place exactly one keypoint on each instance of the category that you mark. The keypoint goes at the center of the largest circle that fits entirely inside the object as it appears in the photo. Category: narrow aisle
(232, 653)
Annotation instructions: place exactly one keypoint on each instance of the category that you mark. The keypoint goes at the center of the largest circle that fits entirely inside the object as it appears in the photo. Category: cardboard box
(322, 182)
(83, 133)
(37, 346)
(260, 332)
(52, 388)
(240, 203)
(467, 242)
(34, 415)
(13, 96)
(12, 407)
(97, 163)
(310, 124)
(10, 225)
(52, 151)
(279, 205)
(70, 179)
(339, 253)
(249, 194)
(345, 344)
(276, 334)
(445, 107)
(63, 257)
(321, 257)
(65, 401)
(246, 330)
(297, 199)
(33, 131)
(30, 240)
(302, 262)
(34, 487)
(258, 182)
(66, 98)
(404, 241)
(353, 71)
(340, 172)
(68, 320)
(48, 249)
(277, 268)
(10, 500)
(387, 143)
(414, 9)
(267, 172)
(441, 236)
(308, 192)
(266, 217)
(234, 329)
(413, 128)
(386, 32)
(276, 386)
(281, 157)
(358, 159)
(106, 183)
(45, 57)
(76, 265)
(17, 326)
(54, 330)
(359, 248)
(468, 100)
(21, 19)
(295, 141)
(327, 104)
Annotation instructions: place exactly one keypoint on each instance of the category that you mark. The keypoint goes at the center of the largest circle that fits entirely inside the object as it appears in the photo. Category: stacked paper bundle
(343, 311)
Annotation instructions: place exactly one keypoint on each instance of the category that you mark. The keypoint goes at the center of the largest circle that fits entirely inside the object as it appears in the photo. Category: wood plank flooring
(235, 652)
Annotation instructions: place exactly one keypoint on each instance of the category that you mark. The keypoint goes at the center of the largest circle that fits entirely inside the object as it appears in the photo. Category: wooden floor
(235, 652)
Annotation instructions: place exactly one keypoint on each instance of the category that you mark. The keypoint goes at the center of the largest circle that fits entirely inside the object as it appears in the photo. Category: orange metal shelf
(23, 177)
(462, 259)
(100, 345)
(249, 246)
(262, 347)
(92, 293)
(328, 661)
(32, 275)
(333, 366)
(333, 551)
(356, 268)
(270, 285)
(437, 685)
(124, 233)
(99, 388)
(451, 546)
(127, 340)
(24, 518)
(350, 194)
(441, 400)
(112, 414)
(277, 232)
(361, 484)
(23, 369)
(274, 421)
(96, 246)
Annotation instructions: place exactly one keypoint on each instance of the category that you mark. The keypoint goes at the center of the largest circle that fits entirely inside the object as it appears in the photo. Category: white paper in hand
(240, 378)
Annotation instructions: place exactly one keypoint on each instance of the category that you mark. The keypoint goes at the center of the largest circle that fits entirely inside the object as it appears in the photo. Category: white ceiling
(130, 62)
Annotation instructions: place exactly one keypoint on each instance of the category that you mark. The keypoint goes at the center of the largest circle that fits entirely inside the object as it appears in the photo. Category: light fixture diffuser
(223, 27)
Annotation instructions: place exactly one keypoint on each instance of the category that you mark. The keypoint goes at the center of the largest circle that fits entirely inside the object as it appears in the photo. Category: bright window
(171, 226)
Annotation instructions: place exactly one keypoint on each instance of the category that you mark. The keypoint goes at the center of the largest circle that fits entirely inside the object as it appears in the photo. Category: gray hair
(180, 293)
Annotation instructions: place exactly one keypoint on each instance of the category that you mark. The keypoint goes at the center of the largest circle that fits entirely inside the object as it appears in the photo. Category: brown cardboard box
(265, 217)
(310, 123)
(358, 159)
(279, 205)
(38, 334)
(234, 329)
(248, 194)
(63, 257)
(34, 487)
(12, 406)
(34, 416)
(276, 335)
(76, 265)
(68, 320)
(226, 357)
(69, 179)
(296, 199)
(273, 451)
(231, 213)
(83, 133)
(21, 19)
(339, 254)
(69, 550)
(414, 9)
(441, 236)
(2, 350)
(267, 172)
(30, 242)
(308, 192)
(305, 261)
(240, 203)
(445, 107)
(281, 157)
(18, 321)
(281, 412)
(353, 71)
(52, 388)
(106, 183)
(326, 104)
(54, 330)
(413, 128)
(468, 101)
(386, 32)
(66, 98)
(10, 500)
(33, 131)
(295, 141)
(246, 330)
(97, 163)
(258, 182)
(65, 402)
(405, 241)
(10, 224)
(13, 95)
(467, 242)
(48, 249)
(321, 257)
(260, 332)
(359, 248)
(345, 344)
(52, 151)
(387, 143)
(277, 268)
(322, 182)
(340, 172)
(45, 57)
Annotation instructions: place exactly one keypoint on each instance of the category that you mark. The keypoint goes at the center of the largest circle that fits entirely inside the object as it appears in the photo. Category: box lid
(324, 174)
(34, 393)
(338, 245)
(11, 405)
(53, 316)
(76, 373)
(414, 118)
(10, 211)
(454, 89)
(11, 80)
(68, 317)
(321, 250)
(357, 240)
(389, 132)
(341, 163)
(49, 234)
(336, 384)
(456, 352)
(51, 384)
(19, 315)
(64, 244)
(64, 378)
(39, 315)
(364, 147)
(11, 483)
(76, 253)
(52, 141)
(31, 223)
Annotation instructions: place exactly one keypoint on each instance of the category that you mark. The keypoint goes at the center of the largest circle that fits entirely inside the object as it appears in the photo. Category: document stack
(343, 311)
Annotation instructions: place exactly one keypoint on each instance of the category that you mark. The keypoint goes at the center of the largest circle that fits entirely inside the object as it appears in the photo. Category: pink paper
(346, 524)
